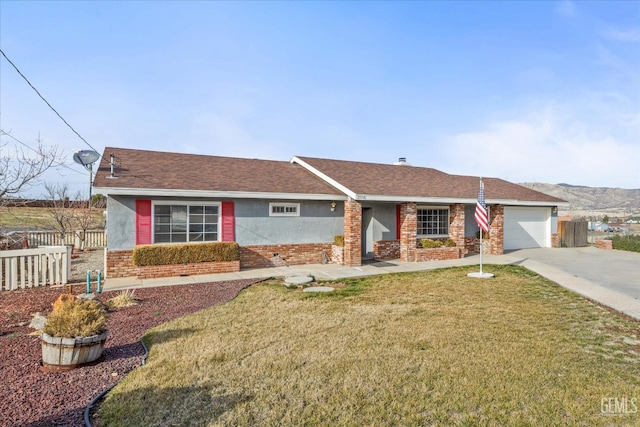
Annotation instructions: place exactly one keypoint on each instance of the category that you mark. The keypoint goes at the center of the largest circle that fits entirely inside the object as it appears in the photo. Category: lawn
(429, 348)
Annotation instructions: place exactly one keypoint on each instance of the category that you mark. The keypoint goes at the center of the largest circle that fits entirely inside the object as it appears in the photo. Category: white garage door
(526, 227)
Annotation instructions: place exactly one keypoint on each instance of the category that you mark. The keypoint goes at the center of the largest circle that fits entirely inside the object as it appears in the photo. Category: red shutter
(398, 224)
(143, 222)
(228, 222)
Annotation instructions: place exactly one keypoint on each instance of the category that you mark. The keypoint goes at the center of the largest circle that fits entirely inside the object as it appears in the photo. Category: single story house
(289, 212)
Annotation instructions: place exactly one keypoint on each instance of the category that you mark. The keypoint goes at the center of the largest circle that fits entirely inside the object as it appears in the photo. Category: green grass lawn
(415, 349)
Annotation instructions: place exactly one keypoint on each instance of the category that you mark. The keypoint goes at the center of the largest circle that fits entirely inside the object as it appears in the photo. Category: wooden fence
(29, 268)
(92, 239)
(573, 234)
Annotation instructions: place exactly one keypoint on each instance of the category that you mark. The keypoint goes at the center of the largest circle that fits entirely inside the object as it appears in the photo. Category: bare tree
(61, 211)
(84, 218)
(20, 169)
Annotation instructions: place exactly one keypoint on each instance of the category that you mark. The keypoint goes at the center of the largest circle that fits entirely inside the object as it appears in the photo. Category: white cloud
(566, 8)
(552, 144)
(630, 35)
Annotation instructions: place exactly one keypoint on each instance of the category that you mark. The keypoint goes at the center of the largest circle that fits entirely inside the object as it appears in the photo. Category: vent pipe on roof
(402, 161)
(112, 164)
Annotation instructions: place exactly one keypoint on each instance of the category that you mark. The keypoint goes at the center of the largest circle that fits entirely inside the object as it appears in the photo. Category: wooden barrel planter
(62, 354)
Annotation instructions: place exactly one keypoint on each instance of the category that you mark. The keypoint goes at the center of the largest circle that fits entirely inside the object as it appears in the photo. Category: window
(185, 223)
(284, 209)
(433, 221)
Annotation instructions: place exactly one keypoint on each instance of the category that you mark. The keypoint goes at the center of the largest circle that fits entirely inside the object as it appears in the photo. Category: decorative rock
(298, 280)
(38, 321)
(318, 289)
(90, 296)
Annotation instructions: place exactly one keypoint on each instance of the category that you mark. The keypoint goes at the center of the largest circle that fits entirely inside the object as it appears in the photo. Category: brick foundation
(604, 244)
(437, 254)
(174, 270)
(262, 256)
(386, 249)
(120, 264)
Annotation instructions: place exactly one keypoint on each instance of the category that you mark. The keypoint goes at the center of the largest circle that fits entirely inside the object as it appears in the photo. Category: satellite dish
(86, 158)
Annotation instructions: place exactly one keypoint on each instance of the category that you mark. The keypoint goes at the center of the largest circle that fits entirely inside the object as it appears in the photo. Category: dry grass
(125, 298)
(432, 348)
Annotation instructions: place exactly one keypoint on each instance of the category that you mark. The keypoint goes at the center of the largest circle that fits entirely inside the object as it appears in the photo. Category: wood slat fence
(93, 239)
(29, 268)
(573, 234)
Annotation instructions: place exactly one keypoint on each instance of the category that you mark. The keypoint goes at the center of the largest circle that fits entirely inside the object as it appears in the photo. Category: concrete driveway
(610, 277)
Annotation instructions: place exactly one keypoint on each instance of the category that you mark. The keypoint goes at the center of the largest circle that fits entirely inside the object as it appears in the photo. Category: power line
(47, 102)
(64, 165)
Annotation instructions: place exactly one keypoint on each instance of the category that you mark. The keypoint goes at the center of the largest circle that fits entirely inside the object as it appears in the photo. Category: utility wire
(47, 102)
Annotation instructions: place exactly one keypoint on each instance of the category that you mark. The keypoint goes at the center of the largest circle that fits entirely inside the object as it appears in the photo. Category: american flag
(481, 217)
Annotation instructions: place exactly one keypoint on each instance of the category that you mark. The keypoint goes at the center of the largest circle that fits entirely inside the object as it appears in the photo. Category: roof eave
(163, 192)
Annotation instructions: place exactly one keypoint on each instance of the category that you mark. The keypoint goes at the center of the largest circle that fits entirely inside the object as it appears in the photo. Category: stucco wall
(253, 225)
(121, 223)
(316, 223)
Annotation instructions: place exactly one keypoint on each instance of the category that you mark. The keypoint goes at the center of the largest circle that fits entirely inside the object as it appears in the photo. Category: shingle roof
(402, 181)
(141, 169)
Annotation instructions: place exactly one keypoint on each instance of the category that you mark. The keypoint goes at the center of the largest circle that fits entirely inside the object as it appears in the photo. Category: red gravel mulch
(30, 397)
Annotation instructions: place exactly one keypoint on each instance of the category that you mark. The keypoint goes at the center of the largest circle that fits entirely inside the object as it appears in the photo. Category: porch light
(333, 206)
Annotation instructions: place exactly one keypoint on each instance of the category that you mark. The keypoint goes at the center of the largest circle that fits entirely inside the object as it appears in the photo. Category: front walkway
(536, 260)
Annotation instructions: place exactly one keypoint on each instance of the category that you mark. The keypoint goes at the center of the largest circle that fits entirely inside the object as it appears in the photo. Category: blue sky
(524, 91)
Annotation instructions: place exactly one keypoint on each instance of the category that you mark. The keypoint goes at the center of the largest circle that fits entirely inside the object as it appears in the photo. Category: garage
(526, 227)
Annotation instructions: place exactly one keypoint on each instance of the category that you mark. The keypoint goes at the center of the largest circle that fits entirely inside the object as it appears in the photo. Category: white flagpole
(481, 251)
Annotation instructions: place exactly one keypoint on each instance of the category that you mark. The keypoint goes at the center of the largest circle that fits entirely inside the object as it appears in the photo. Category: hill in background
(592, 202)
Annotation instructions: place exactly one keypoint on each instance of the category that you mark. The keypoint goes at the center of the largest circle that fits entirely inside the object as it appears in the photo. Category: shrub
(430, 244)
(184, 254)
(450, 243)
(74, 317)
(626, 243)
(338, 240)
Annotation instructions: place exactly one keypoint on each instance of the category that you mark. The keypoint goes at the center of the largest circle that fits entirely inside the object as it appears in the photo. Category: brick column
(496, 230)
(456, 225)
(408, 231)
(352, 233)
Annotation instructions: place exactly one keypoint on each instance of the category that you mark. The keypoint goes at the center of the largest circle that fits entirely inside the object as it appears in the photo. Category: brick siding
(337, 254)
(386, 249)
(496, 230)
(456, 225)
(555, 240)
(408, 231)
(352, 233)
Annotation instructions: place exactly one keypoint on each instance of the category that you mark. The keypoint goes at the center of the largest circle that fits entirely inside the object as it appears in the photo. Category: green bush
(338, 240)
(184, 254)
(74, 317)
(430, 243)
(627, 243)
(450, 243)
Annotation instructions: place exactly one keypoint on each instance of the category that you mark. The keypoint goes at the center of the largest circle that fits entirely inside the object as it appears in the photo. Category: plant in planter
(74, 334)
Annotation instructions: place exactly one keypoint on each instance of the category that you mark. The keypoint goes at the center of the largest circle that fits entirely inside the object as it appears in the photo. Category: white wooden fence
(92, 238)
(28, 268)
